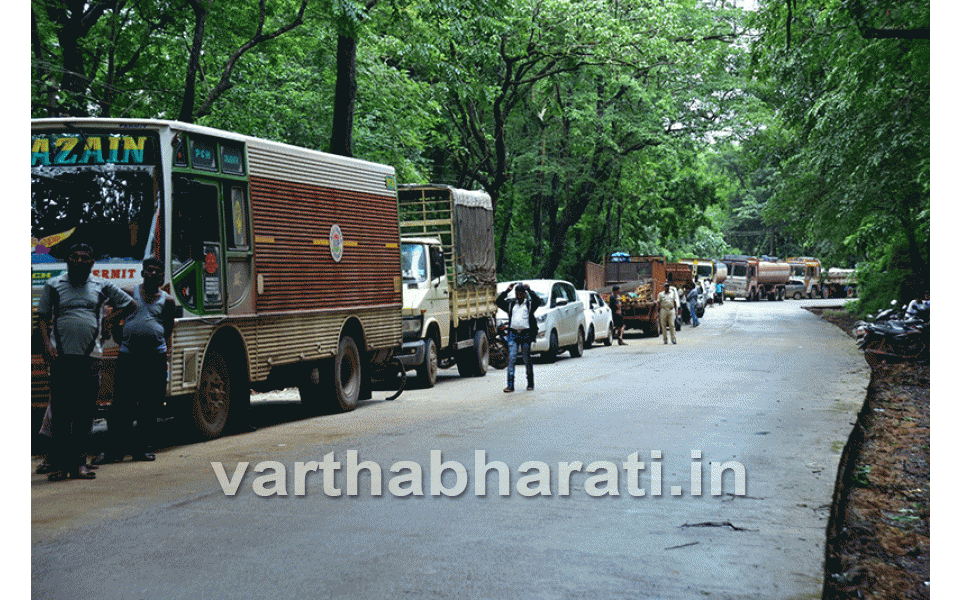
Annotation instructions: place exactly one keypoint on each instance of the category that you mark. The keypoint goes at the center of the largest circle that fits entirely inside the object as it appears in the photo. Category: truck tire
(220, 389)
(481, 346)
(427, 372)
(347, 375)
(475, 360)
(576, 350)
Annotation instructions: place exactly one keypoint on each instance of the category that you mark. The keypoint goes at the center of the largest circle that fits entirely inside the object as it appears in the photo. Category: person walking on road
(692, 303)
(141, 374)
(668, 305)
(70, 318)
(616, 307)
(521, 328)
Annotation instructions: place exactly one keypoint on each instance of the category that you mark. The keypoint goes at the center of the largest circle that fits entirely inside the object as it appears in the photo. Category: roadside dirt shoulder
(878, 540)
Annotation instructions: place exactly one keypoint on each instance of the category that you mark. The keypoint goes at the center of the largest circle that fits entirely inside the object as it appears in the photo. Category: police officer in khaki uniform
(667, 302)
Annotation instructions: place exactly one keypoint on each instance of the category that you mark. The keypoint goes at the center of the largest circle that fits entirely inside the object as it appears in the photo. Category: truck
(449, 280)
(640, 279)
(806, 269)
(707, 268)
(283, 262)
(753, 278)
(839, 283)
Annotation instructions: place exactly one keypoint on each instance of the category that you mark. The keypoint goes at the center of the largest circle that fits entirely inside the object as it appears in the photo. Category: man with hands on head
(521, 328)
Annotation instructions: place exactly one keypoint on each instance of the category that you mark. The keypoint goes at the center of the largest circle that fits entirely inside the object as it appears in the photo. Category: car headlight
(541, 319)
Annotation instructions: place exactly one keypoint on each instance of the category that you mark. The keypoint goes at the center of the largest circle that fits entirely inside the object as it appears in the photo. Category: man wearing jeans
(521, 329)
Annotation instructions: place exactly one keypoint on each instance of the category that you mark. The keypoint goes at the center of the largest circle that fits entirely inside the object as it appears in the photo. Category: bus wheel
(211, 402)
(346, 375)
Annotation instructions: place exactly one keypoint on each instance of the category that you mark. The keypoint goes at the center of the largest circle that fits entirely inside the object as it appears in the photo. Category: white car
(560, 319)
(795, 289)
(599, 317)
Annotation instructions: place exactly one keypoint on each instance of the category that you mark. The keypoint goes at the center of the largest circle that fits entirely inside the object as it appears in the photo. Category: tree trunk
(341, 140)
(201, 10)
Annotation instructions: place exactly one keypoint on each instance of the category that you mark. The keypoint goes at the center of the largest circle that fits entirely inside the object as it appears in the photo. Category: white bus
(284, 262)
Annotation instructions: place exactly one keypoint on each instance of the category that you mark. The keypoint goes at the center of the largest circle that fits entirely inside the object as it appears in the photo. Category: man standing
(521, 328)
(692, 302)
(141, 375)
(667, 303)
(616, 307)
(70, 317)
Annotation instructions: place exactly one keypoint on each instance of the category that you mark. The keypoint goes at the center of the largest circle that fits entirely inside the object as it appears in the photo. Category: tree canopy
(679, 127)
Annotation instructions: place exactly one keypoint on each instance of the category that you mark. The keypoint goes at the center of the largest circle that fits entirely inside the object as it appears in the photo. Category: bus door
(211, 255)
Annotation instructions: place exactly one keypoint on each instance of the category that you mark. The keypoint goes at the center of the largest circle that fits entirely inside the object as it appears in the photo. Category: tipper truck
(753, 278)
(449, 280)
(640, 279)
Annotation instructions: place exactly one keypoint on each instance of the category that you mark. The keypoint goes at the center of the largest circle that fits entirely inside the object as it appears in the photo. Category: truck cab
(426, 297)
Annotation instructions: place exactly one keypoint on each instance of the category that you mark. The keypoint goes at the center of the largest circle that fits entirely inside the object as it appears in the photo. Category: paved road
(766, 386)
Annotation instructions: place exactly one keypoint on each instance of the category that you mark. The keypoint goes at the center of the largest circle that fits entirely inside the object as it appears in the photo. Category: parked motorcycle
(499, 352)
(892, 337)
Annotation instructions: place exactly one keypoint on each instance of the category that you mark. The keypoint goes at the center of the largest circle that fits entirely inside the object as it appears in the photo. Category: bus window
(195, 220)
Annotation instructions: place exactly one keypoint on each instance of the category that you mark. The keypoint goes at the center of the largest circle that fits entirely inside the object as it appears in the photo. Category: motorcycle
(893, 338)
(499, 353)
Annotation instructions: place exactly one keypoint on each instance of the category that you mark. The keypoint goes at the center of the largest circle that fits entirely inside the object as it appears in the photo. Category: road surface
(599, 467)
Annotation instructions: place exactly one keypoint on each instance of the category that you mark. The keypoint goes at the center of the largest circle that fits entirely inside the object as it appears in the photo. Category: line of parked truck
(295, 268)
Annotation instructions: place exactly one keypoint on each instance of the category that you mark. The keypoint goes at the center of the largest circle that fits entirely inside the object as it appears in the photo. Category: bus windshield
(101, 189)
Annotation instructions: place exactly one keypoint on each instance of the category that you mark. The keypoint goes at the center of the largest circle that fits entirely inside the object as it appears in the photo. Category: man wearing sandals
(70, 318)
(141, 375)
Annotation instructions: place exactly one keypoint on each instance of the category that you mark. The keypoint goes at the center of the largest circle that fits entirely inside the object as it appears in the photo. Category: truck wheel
(220, 388)
(576, 351)
(609, 340)
(427, 372)
(346, 375)
(481, 346)
(554, 350)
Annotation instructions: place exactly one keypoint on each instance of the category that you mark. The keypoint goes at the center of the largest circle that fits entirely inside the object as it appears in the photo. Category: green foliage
(595, 126)
(855, 168)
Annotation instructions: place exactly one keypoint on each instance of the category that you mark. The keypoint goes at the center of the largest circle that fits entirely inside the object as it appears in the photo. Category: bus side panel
(277, 339)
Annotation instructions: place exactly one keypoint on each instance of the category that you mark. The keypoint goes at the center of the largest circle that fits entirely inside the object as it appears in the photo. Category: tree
(855, 99)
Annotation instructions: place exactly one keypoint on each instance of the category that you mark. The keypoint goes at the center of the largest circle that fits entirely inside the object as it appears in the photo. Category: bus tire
(221, 388)
(347, 375)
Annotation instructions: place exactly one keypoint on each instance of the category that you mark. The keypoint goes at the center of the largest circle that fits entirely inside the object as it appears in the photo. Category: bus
(284, 262)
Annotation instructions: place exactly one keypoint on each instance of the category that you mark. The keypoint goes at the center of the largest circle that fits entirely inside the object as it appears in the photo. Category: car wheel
(797, 295)
(609, 339)
(576, 351)
(554, 350)
(591, 338)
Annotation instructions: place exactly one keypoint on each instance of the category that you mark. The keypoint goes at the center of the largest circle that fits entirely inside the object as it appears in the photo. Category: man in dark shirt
(141, 375)
(616, 307)
(70, 318)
